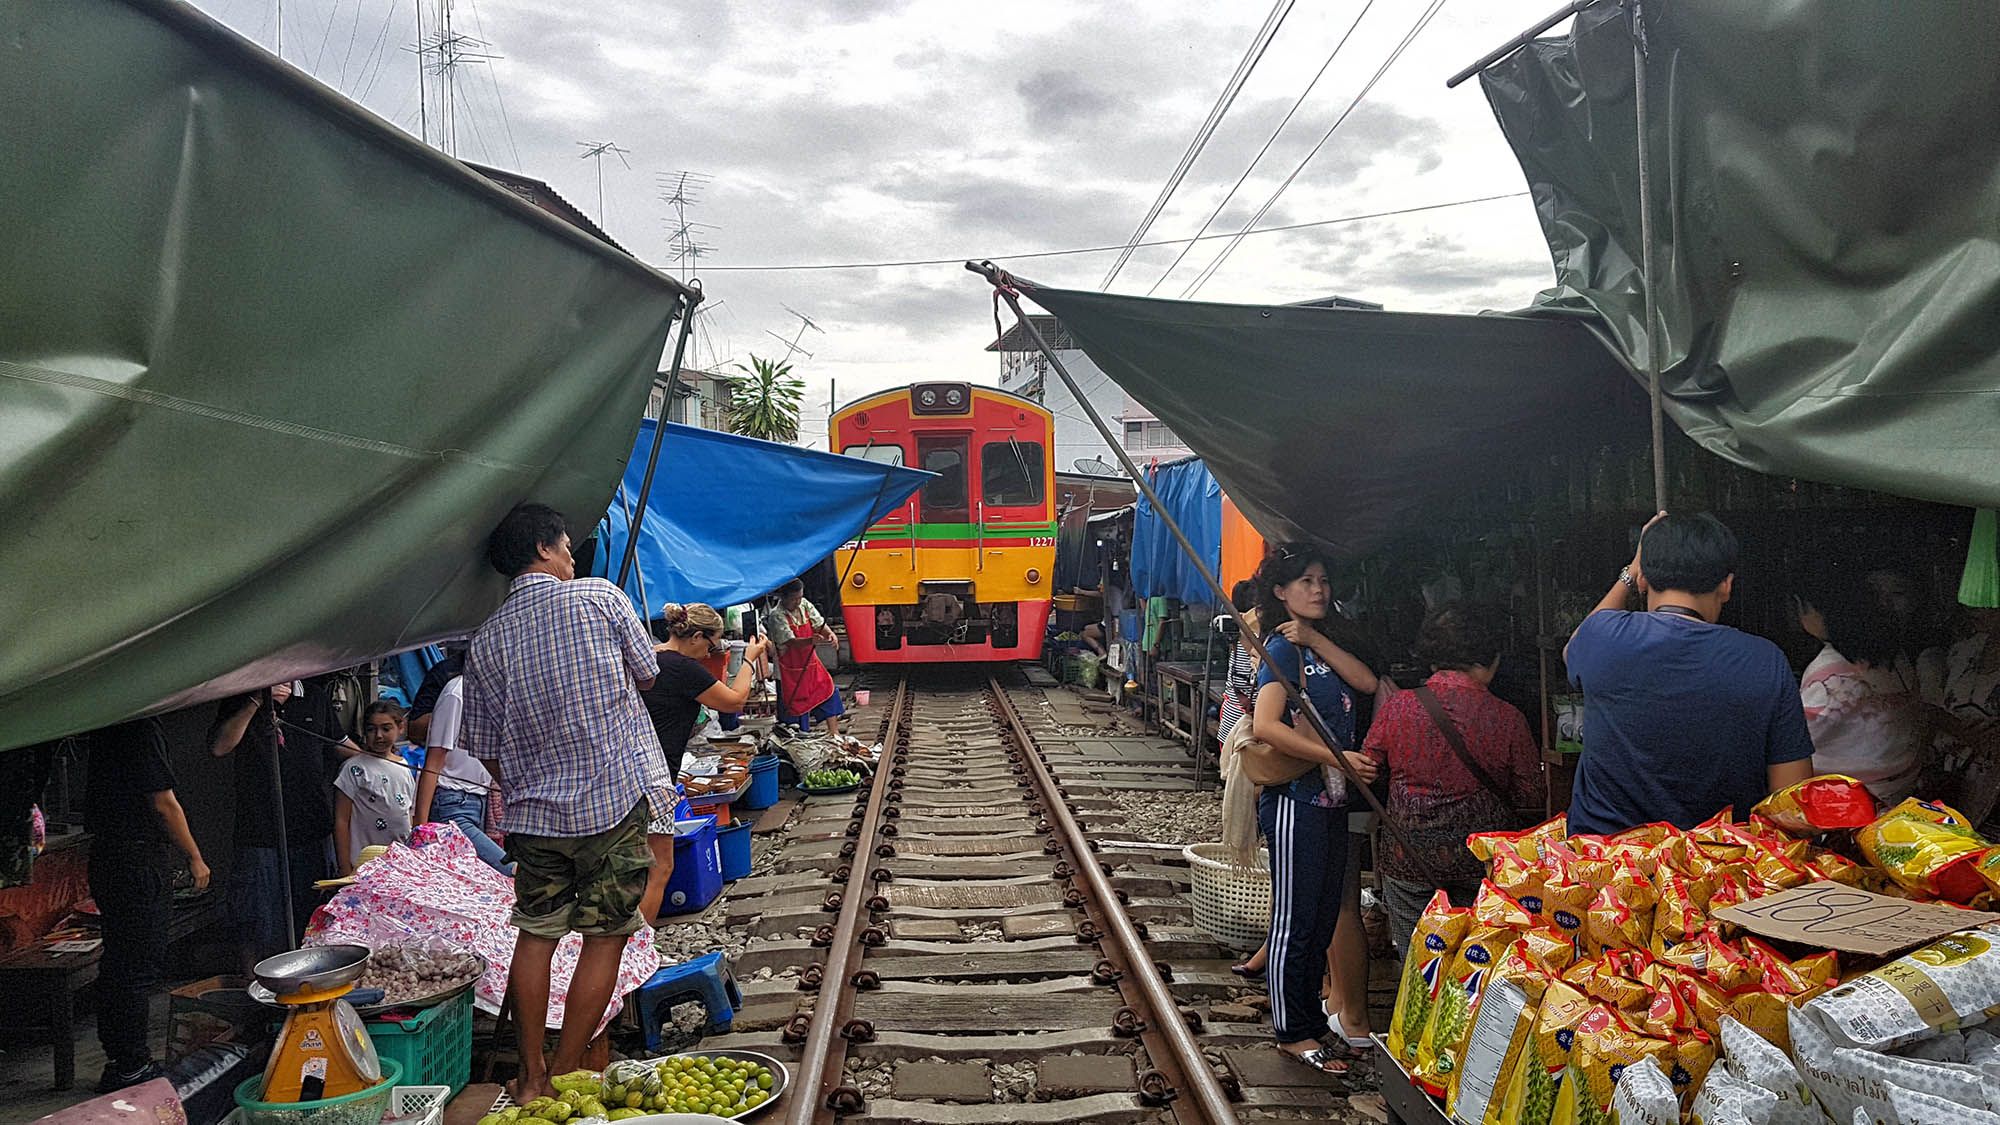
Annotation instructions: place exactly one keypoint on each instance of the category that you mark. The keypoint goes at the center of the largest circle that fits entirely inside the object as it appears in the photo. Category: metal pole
(688, 303)
(1005, 284)
(1518, 42)
(278, 805)
(1654, 343)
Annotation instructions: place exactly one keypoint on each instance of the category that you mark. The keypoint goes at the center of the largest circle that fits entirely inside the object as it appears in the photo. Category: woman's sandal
(1246, 972)
(1325, 1060)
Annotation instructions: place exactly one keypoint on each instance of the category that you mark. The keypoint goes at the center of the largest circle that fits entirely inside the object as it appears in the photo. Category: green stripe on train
(961, 530)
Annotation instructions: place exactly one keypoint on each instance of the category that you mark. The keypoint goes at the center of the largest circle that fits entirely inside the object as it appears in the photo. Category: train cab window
(881, 454)
(944, 498)
(1010, 472)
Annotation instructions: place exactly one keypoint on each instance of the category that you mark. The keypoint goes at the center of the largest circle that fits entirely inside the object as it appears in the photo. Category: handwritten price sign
(1833, 916)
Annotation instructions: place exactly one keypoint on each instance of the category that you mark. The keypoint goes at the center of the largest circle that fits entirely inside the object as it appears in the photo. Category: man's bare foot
(527, 1088)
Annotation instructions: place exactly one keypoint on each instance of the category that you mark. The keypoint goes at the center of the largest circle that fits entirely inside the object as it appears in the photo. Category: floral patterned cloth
(436, 890)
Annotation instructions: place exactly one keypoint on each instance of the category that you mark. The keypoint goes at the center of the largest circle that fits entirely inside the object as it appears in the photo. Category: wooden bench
(44, 983)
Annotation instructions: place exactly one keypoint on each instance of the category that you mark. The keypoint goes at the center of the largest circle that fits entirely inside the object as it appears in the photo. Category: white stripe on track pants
(1308, 858)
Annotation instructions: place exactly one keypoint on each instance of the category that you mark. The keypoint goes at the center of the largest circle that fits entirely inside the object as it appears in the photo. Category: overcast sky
(877, 130)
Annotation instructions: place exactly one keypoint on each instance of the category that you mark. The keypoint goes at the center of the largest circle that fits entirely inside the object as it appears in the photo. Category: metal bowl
(313, 969)
(781, 1074)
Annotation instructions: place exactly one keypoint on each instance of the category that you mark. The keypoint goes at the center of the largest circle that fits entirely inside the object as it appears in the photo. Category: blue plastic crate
(697, 876)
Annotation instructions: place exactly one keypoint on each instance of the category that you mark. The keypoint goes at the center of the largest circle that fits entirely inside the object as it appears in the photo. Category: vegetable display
(721, 1087)
(831, 779)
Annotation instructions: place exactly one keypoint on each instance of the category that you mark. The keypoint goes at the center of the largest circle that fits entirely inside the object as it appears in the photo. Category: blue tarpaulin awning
(1159, 567)
(733, 517)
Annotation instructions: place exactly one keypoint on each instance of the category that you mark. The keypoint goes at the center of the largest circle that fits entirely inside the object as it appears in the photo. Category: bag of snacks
(1835, 867)
(1450, 1023)
(1727, 1100)
(1694, 1057)
(1845, 1079)
(1679, 916)
(1915, 1107)
(1537, 1078)
(1526, 844)
(1621, 916)
(1754, 1060)
(1440, 929)
(1952, 983)
(1519, 879)
(1928, 847)
(1818, 804)
(1644, 1096)
(1604, 1048)
(1497, 1045)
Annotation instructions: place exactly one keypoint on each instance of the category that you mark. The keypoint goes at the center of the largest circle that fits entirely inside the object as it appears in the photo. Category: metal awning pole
(1005, 284)
(688, 303)
(1655, 345)
(1519, 41)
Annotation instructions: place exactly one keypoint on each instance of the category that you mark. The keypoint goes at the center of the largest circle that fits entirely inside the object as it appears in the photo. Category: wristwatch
(1625, 576)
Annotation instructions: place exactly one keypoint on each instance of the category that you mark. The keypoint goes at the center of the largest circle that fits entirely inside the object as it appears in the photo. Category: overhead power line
(955, 259)
(1416, 29)
(1258, 45)
(1268, 142)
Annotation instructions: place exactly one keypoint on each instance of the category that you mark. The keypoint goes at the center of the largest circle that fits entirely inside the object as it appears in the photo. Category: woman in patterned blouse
(1432, 794)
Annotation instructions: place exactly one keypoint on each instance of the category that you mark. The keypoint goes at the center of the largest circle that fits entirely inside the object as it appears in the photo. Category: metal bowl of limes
(781, 1078)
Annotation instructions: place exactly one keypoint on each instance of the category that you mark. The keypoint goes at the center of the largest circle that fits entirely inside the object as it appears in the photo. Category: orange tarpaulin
(1242, 547)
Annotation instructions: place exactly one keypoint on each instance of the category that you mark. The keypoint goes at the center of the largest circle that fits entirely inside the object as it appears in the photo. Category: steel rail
(821, 1093)
(1197, 1095)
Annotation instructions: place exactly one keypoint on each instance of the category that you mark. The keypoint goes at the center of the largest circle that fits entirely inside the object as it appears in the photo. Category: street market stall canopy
(270, 370)
(730, 517)
(1336, 424)
(1160, 569)
(1826, 199)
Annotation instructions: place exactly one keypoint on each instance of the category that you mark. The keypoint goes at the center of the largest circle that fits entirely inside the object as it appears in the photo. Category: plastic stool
(706, 979)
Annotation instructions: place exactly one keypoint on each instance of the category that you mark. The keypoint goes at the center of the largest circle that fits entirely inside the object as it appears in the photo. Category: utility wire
(1268, 142)
(959, 258)
(1258, 45)
(1222, 256)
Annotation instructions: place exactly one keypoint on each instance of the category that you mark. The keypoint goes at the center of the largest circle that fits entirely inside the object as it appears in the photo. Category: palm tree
(764, 401)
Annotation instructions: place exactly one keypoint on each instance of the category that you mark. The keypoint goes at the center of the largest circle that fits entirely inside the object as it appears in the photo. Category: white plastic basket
(417, 1105)
(1231, 904)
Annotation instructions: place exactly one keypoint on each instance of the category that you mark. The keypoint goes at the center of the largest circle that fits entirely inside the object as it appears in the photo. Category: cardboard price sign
(1829, 915)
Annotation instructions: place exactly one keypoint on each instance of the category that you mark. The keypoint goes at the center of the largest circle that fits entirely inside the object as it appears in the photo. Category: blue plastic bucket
(697, 876)
(763, 790)
(734, 844)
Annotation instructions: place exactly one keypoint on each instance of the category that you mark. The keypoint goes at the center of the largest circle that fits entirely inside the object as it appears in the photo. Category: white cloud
(867, 130)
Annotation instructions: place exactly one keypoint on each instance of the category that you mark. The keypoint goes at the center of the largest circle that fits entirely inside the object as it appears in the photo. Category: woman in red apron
(805, 689)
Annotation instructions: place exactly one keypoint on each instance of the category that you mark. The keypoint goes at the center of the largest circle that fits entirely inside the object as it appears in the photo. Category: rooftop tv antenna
(596, 150)
(792, 345)
(442, 53)
(680, 191)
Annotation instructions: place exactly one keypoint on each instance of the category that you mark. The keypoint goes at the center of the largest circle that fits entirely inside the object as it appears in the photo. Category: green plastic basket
(358, 1108)
(434, 1046)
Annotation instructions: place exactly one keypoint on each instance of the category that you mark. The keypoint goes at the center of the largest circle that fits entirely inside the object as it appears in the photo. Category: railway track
(975, 943)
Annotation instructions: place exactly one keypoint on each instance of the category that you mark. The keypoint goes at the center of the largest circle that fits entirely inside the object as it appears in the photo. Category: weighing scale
(323, 1051)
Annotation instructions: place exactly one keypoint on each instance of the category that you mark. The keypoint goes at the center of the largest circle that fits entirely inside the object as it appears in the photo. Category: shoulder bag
(1442, 720)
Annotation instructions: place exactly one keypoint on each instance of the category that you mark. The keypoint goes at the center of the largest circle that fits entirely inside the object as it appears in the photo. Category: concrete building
(1025, 372)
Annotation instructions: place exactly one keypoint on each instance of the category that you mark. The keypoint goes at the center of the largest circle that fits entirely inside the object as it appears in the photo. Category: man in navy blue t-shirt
(1682, 717)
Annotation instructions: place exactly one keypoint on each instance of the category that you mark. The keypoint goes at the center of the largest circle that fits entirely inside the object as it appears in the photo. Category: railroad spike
(831, 903)
(1104, 972)
(1230, 1086)
(841, 873)
(1064, 871)
(878, 903)
(888, 830)
(847, 1100)
(853, 828)
(874, 936)
(1154, 1089)
(882, 875)
(1050, 847)
(1140, 929)
(1193, 1018)
(859, 1031)
(1165, 970)
(1073, 899)
(866, 980)
(1086, 931)
(885, 851)
(1123, 898)
(798, 1028)
(822, 936)
(811, 977)
(893, 812)
(1128, 1023)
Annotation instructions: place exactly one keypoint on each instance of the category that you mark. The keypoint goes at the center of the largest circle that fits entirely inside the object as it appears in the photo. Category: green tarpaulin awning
(1336, 424)
(1827, 225)
(269, 370)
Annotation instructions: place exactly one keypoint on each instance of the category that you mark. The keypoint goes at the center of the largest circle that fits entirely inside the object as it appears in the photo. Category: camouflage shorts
(589, 884)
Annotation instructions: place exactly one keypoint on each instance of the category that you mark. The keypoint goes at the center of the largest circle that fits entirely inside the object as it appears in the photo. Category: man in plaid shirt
(552, 683)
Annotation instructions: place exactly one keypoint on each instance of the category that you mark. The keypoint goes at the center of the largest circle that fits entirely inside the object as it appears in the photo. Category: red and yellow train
(962, 572)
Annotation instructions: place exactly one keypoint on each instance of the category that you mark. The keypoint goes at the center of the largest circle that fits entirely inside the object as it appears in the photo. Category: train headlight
(1033, 576)
(954, 398)
(928, 398)
(860, 580)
